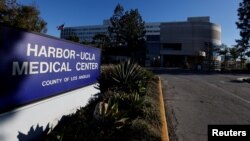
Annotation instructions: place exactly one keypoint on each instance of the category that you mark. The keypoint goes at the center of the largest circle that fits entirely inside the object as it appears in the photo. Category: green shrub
(130, 104)
(151, 112)
(105, 111)
(105, 80)
(127, 76)
(140, 130)
(126, 109)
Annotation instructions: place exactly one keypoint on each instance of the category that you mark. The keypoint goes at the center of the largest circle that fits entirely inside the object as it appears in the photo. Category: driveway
(195, 100)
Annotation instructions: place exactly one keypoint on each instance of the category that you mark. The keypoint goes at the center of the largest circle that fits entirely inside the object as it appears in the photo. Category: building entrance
(182, 61)
(174, 61)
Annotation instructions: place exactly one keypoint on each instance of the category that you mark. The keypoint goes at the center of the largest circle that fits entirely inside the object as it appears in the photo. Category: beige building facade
(186, 44)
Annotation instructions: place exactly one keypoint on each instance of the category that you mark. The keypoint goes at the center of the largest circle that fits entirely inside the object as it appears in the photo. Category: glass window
(172, 46)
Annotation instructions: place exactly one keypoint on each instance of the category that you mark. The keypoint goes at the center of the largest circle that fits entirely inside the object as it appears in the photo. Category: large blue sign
(34, 67)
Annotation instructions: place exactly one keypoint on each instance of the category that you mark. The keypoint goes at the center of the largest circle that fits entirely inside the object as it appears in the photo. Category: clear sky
(92, 12)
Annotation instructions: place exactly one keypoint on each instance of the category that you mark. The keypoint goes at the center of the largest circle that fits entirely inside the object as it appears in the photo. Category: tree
(73, 37)
(127, 30)
(2, 6)
(212, 51)
(133, 29)
(115, 29)
(243, 24)
(85, 42)
(101, 40)
(235, 54)
(224, 50)
(22, 16)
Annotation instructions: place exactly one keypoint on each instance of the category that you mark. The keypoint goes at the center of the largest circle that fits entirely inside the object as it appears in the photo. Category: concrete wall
(28, 122)
(192, 36)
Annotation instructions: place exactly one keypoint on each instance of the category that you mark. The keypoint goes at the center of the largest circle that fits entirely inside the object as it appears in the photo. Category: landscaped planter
(126, 109)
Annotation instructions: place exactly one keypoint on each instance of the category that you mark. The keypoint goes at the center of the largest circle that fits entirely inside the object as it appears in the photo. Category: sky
(93, 12)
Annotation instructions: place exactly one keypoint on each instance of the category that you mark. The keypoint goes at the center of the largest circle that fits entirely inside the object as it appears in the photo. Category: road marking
(228, 93)
(176, 78)
(183, 79)
(222, 82)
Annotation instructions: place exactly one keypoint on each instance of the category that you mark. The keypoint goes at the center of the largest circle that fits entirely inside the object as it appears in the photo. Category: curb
(164, 129)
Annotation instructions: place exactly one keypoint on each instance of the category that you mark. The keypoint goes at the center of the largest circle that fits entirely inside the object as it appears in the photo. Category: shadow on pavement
(180, 71)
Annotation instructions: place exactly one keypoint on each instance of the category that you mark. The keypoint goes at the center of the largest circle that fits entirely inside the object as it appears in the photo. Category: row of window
(86, 29)
(95, 30)
(152, 31)
(150, 26)
(81, 33)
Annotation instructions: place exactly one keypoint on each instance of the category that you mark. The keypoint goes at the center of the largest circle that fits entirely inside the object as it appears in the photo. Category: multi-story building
(189, 43)
(86, 33)
(169, 44)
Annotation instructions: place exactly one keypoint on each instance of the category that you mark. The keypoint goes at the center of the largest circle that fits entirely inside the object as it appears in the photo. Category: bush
(105, 80)
(143, 130)
(139, 130)
(127, 76)
(151, 112)
(130, 104)
(126, 109)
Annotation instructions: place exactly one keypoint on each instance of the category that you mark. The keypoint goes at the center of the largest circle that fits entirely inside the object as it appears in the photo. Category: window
(172, 46)
(153, 37)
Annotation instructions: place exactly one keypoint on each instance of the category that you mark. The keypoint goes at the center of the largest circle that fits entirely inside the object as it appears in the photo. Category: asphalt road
(195, 100)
